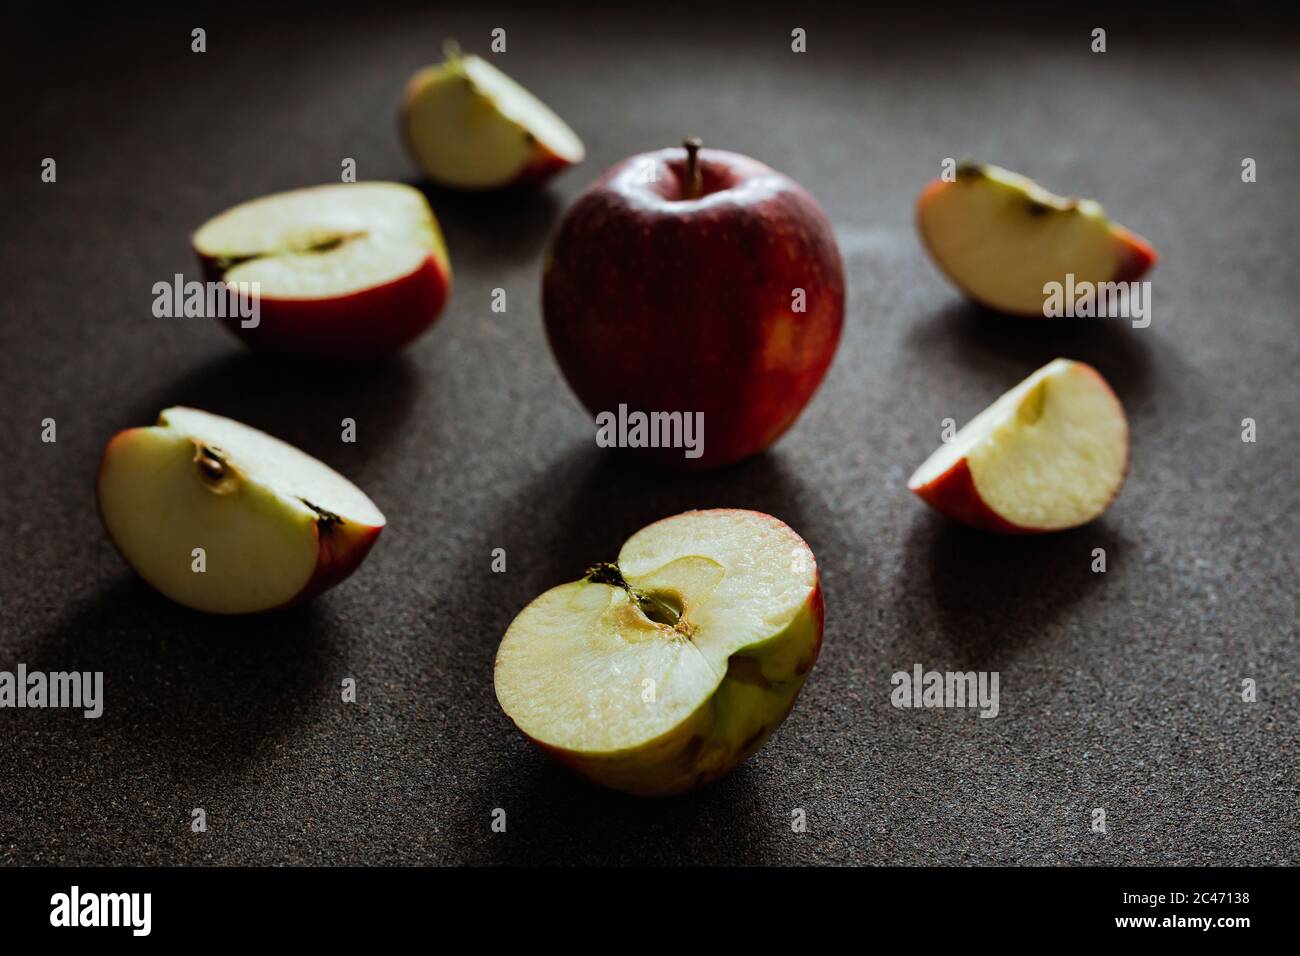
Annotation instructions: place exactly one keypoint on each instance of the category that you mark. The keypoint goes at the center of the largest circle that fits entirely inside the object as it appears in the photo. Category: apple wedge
(344, 271)
(275, 526)
(660, 673)
(469, 126)
(1001, 237)
(1050, 454)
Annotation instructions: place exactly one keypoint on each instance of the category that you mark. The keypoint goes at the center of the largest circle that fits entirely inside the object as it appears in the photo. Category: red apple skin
(668, 305)
(543, 166)
(364, 325)
(932, 189)
(954, 493)
(340, 548)
(1137, 255)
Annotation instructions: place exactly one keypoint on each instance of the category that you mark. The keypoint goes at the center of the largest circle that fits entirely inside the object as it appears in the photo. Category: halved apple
(275, 525)
(469, 126)
(1050, 454)
(345, 271)
(660, 673)
(1000, 238)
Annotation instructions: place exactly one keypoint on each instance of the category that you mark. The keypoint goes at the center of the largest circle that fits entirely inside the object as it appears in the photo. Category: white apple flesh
(344, 271)
(661, 673)
(1001, 237)
(275, 525)
(469, 126)
(1050, 454)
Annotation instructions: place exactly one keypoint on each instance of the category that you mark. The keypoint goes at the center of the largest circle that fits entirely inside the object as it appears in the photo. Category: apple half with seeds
(469, 126)
(344, 271)
(1048, 455)
(1000, 238)
(660, 673)
(276, 526)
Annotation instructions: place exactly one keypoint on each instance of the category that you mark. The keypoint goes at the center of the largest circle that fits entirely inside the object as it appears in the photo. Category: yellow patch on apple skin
(786, 351)
(781, 348)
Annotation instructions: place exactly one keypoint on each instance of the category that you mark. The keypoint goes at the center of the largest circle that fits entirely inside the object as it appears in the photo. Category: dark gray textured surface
(1119, 691)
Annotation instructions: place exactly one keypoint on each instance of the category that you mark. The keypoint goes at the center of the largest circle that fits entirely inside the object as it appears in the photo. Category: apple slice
(1001, 237)
(469, 126)
(660, 673)
(345, 271)
(276, 526)
(1049, 454)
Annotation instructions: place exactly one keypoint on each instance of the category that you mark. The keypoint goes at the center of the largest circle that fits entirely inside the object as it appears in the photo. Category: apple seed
(210, 464)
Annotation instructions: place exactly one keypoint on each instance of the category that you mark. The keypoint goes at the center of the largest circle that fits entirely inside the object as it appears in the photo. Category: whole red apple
(696, 281)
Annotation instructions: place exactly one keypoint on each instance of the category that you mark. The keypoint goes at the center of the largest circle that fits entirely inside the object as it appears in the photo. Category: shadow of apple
(1004, 349)
(572, 822)
(299, 401)
(190, 700)
(592, 500)
(498, 228)
(989, 595)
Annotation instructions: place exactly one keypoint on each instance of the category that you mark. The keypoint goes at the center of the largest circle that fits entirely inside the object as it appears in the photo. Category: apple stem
(694, 180)
(450, 51)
